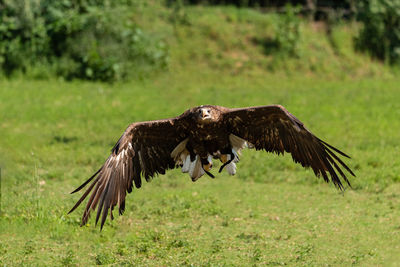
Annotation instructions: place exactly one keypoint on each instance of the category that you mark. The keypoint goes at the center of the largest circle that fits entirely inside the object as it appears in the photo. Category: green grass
(54, 135)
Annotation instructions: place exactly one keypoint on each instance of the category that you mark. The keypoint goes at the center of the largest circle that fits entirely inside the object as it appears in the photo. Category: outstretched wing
(274, 129)
(142, 151)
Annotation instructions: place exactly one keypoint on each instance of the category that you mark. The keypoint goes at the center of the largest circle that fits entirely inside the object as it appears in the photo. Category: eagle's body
(193, 139)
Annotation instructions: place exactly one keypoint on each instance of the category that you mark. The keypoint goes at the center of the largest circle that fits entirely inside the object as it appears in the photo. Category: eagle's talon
(209, 174)
(226, 159)
(207, 167)
(223, 165)
(223, 158)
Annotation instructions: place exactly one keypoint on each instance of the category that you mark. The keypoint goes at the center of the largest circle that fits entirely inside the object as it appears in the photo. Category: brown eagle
(193, 139)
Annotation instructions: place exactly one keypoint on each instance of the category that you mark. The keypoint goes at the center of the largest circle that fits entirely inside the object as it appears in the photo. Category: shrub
(287, 31)
(89, 39)
(286, 36)
(380, 35)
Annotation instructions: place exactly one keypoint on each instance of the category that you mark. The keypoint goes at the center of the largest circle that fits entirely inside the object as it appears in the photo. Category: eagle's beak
(205, 114)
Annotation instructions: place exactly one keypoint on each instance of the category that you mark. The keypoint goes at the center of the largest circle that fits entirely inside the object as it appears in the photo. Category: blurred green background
(74, 74)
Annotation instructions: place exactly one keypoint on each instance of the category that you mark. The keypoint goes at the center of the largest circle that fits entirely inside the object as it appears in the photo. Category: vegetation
(269, 3)
(92, 39)
(287, 32)
(380, 35)
(54, 134)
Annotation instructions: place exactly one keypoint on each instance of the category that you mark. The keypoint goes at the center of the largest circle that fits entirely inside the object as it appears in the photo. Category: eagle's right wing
(142, 151)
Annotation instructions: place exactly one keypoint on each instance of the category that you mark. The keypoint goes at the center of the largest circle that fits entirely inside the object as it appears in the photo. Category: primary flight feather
(193, 139)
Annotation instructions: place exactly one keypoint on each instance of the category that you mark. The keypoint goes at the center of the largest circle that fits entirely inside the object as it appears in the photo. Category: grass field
(55, 134)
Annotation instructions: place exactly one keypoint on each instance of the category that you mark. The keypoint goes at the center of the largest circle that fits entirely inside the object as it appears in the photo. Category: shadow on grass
(63, 139)
(269, 45)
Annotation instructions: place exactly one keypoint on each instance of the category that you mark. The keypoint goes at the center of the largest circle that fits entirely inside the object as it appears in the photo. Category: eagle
(192, 140)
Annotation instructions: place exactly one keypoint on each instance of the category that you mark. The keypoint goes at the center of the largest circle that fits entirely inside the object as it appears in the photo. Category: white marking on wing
(231, 168)
(209, 159)
(120, 156)
(237, 143)
(236, 158)
(196, 170)
(186, 164)
(191, 167)
(179, 149)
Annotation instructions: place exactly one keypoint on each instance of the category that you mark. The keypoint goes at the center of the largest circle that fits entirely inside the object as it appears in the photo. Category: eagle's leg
(205, 162)
(207, 165)
(227, 156)
(191, 152)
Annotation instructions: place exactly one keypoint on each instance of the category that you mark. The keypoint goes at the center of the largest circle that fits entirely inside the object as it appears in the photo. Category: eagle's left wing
(274, 129)
(142, 151)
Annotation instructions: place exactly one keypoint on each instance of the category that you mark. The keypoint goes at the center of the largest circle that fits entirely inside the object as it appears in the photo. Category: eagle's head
(205, 114)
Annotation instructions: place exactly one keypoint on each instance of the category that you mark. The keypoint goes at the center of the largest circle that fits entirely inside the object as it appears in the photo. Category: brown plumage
(192, 139)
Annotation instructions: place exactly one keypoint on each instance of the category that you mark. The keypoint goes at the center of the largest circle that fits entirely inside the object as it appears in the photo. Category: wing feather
(274, 129)
(142, 151)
